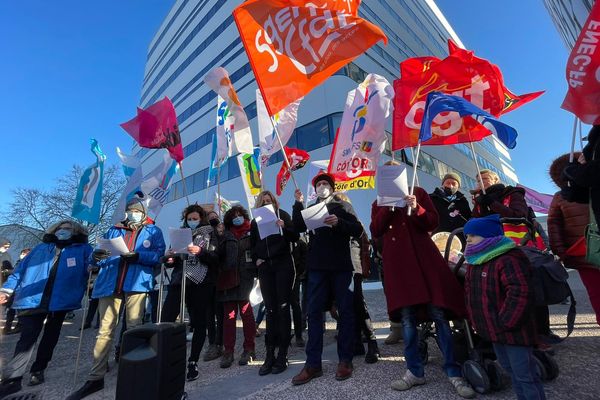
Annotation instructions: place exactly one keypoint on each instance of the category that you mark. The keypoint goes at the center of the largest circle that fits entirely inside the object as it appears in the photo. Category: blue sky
(73, 69)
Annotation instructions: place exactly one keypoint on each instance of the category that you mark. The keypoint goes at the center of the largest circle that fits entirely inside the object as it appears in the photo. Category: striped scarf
(488, 249)
(195, 271)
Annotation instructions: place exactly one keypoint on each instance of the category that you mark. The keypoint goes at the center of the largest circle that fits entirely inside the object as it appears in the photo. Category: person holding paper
(273, 257)
(201, 275)
(330, 269)
(234, 283)
(50, 281)
(418, 284)
(122, 279)
(451, 204)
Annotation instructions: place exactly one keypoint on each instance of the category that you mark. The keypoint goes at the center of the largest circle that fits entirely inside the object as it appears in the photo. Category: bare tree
(39, 209)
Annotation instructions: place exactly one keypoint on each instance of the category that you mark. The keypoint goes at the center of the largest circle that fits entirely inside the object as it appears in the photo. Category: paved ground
(577, 357)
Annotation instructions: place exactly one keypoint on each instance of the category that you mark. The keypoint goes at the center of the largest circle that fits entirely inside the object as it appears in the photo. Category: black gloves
(131, 257)
(100, 254)
(484, 200)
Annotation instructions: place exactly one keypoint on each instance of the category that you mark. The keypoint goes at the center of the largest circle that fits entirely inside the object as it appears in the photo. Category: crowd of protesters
(305, 273)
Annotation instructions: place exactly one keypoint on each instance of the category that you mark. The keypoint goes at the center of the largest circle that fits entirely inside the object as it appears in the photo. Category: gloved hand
(131, 257)
(100, 254)
(484, 200)
(169, 259)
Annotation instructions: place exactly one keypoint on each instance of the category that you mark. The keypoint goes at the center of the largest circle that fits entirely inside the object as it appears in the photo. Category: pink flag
(156, 127)
(539, 202)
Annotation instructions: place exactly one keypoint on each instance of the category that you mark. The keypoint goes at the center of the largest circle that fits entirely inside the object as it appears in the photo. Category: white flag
(129, 163)
(156, 184)
(241, 137)
(285, 121)
(361, 137)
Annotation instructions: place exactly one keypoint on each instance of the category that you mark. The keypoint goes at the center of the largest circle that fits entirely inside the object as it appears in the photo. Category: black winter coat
(588, 174)
(453, 214)
(329, 248)
(274, 248)
(236, 254)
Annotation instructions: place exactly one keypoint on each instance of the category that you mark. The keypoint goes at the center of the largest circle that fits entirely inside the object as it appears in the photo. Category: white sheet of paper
(116, 246)
(392, 185)
(180, 239)
(266, 221)
(315, 215)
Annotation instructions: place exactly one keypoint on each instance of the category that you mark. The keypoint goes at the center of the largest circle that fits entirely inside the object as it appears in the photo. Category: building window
(313, 135)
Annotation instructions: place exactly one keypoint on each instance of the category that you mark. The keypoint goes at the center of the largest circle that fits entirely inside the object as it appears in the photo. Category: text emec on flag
(293, 47)
(583, 72)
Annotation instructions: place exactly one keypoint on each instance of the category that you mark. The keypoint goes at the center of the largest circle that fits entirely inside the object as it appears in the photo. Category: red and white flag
(297, 158)
(583, 72)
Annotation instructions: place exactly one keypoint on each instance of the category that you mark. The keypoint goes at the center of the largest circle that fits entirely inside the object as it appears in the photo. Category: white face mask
(193, 223)
(135, 216)
(323, 192)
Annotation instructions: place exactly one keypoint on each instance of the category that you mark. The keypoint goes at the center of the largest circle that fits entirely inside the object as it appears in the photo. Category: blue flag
(438, 103)
(89, 193)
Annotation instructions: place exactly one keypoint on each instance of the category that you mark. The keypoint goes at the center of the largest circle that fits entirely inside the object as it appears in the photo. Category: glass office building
(199, 35)
(569, 17)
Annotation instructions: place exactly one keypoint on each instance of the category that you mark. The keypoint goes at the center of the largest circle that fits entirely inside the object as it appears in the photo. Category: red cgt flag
(583, 75)
(293, 47)
(156, 127)
(297, 158)
(460, 74)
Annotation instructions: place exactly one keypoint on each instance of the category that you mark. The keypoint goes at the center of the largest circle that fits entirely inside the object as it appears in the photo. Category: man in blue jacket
(122, 279)
(50, 281)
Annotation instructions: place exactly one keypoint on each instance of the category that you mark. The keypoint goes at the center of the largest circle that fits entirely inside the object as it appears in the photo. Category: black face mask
(214, 222)
(448, 191)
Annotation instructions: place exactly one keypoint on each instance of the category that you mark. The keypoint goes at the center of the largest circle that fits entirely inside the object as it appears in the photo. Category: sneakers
(246, 357)
(463, 389)
(213, 352)
(226, 360)
(9, 387)
(192, 371)
(36, 378)
(88, 388)
(395, 335)
(407, 381)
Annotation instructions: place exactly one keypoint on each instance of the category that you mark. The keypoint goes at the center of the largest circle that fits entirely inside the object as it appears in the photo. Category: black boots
(9, 387)
(372, 355)
(267, 366)
(281, 363)
(88, 388)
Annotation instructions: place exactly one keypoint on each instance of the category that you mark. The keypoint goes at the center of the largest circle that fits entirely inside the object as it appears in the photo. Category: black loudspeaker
(152, 363)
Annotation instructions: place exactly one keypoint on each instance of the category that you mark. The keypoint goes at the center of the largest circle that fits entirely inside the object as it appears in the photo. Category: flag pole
(219, 200)
(477, 167)
(415, 163)
(285, 158)
(572, 155)
(185, 191)
(414, 177)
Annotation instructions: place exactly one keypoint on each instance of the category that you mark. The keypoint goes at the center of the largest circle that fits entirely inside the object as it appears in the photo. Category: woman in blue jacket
(46, 284)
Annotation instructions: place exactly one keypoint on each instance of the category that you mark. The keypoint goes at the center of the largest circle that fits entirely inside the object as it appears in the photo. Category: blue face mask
(237, 221)
(192, 223)
(63, 234)
(134, 216)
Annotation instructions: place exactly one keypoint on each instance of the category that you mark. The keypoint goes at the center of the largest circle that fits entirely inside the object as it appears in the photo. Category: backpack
(550, 282)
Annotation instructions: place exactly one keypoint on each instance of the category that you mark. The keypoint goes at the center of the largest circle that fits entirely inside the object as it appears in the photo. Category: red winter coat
(415, 272)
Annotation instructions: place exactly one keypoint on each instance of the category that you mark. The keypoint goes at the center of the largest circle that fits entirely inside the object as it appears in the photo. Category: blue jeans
(444, 340)
(518, 362)
(320, 284)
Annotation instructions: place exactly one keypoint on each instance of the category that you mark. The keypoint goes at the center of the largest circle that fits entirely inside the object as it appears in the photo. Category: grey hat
(452, 175)
(136, 204)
